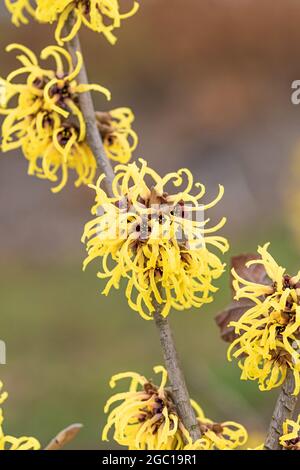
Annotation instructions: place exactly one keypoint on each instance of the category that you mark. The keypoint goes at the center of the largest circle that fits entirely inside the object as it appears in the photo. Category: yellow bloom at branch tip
(290, 439)
(157, 241)
(101, 16)
(268, 333)
(10, 442)
(46, 121)
(19, 10)
(145, 418)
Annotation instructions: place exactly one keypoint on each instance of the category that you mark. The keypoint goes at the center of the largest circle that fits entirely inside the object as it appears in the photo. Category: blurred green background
(210, 84)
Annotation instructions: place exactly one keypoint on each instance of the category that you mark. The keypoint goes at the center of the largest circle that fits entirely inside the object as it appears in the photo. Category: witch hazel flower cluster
(46, 122)
(268, 333)
(153, 240)
(151, 232)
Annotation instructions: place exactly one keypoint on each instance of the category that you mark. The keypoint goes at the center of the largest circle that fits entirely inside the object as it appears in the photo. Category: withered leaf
(254, 273)
(235, 310)
(64, 437)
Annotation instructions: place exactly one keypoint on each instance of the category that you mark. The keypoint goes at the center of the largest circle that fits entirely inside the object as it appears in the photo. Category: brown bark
(176, 377)
(87, 108)
(284, 409)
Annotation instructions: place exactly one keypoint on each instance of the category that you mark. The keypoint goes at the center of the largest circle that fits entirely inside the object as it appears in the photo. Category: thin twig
(87, 108)
(176, 377)
(284, 409)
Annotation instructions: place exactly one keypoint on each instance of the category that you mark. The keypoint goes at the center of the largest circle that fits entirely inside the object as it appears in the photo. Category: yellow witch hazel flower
(62, 152)
(101, 16)
(155, 240)
(268, 342)
(290, 439)
(146, 419)
(14, 443)
(118, 137)
(46, 122)
(216, 436)
(19, 10)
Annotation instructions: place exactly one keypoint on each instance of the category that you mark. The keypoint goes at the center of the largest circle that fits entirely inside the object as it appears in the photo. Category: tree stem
(176, 377)
(93, 136)
(175, 374)
(284, 409)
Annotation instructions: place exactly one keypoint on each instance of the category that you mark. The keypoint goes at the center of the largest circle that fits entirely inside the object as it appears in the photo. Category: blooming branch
(266, 332)
(182, 400)
(147, 419)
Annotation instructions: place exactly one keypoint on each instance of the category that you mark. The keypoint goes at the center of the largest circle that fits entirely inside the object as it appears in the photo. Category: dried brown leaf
(254, 273)
(233, 313)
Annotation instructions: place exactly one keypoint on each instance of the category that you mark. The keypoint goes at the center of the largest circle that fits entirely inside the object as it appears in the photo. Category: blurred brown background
(210, 84)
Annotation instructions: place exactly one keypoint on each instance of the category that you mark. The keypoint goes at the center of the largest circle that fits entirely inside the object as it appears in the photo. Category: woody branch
(176, 376)
(284, 409)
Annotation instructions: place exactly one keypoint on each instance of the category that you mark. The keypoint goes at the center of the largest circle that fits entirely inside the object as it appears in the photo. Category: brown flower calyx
(217, 428)
(84, 4)
(280, 356)
(156, 208)
(290, 282)
(40, 82)
(293, 444)
(65, 134)
(159, 400)
(62, 94)
(287, 315)
(47, 120)
(105, 126)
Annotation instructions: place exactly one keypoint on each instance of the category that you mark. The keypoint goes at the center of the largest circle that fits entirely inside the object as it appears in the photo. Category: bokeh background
(210, 84)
